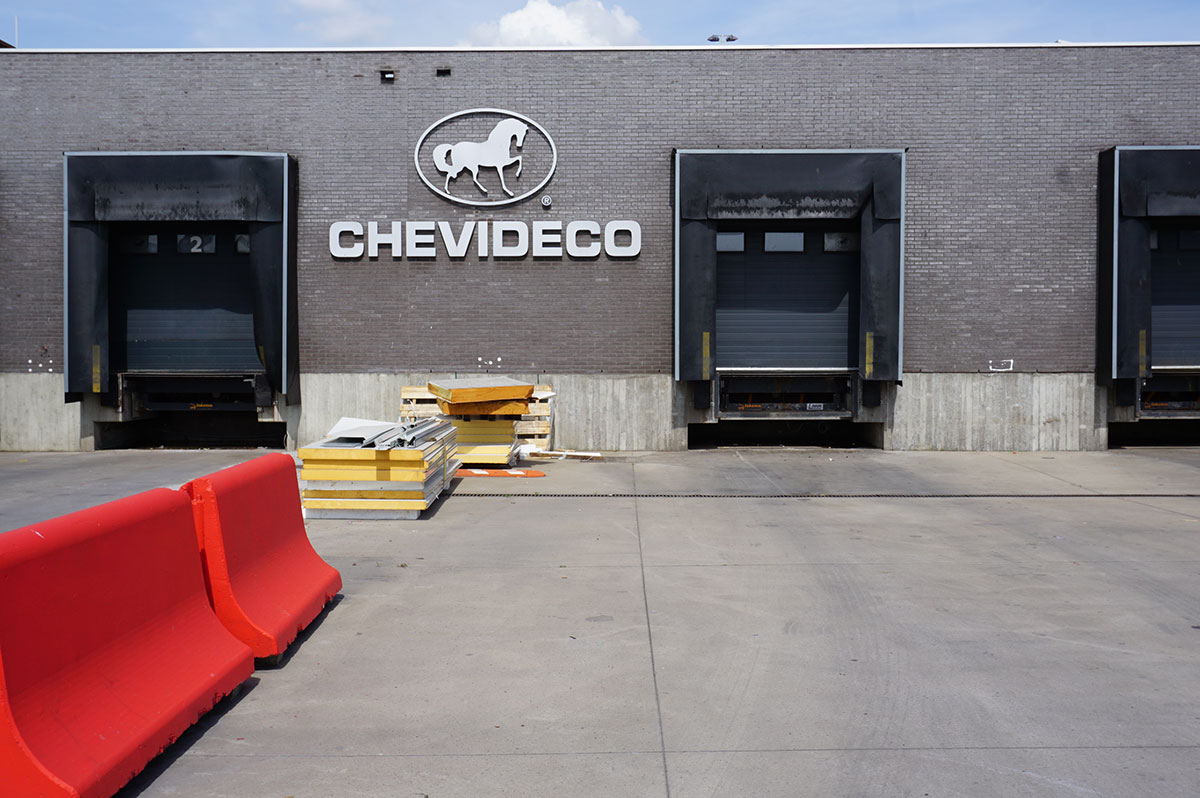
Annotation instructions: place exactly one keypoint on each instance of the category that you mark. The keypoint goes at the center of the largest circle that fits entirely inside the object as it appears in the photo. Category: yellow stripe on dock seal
(870, 369)
(1142, 359)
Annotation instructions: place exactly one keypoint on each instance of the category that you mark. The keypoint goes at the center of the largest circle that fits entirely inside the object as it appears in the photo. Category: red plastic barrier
(265, 580)
(108, 647)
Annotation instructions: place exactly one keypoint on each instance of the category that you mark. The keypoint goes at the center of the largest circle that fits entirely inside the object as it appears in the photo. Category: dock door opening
(787, 297)
(789, 274)
(1175, 293)
(181, 296)
(1148, 318)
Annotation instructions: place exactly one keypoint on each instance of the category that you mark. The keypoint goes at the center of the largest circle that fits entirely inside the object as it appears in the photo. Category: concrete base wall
(592, 411)
(33, 416)
(980, 412)
(618, 412)
(997, 412)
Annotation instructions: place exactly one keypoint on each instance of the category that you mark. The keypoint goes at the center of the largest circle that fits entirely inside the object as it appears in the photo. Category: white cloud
(579, 23)
(346, 22)
(876, 21)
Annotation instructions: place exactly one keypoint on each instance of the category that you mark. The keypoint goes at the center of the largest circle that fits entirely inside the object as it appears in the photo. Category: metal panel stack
(373, 469)
(484, 411)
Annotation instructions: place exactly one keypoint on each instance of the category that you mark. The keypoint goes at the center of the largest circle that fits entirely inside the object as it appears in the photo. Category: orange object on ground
(109, 649)
(265, 580)
(498, 472)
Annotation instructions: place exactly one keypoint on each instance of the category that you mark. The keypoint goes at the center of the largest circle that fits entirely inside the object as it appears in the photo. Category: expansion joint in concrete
(662, 741)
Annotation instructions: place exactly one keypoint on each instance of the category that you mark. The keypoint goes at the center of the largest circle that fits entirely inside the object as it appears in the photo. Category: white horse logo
(496, 153)
(513, 139)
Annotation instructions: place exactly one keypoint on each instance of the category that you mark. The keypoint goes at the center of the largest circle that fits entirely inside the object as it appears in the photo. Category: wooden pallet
(535, 427)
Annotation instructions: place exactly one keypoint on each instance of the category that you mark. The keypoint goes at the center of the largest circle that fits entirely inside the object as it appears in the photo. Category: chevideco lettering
(486, 239)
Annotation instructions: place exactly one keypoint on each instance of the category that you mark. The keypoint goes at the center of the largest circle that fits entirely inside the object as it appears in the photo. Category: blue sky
(342, 23)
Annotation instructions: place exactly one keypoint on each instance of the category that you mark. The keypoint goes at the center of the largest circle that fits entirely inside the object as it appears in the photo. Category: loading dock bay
(972, 624)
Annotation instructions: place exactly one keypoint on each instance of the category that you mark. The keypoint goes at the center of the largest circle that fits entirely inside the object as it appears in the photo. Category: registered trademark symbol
(546, 200)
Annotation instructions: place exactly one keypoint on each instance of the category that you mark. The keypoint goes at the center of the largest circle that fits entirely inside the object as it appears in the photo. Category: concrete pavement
(992, 625)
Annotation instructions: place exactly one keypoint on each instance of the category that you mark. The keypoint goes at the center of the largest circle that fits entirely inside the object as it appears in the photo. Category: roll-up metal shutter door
(786, 310)
(1175, 298)
(185, 312)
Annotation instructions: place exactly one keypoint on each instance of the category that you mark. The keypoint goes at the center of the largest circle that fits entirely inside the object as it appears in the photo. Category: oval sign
(485, 157)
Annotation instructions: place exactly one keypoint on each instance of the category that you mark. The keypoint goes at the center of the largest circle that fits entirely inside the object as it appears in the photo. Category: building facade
(955, 247)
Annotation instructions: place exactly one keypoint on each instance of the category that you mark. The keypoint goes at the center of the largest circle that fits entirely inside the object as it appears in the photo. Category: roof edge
(607, 48)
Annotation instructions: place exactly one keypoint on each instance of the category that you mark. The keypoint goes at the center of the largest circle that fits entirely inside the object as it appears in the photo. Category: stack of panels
(388, 484)
(486, 441)
(484, 412)
(534, 426)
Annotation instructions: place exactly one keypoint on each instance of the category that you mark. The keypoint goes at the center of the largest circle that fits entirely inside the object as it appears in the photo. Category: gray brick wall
(1001, 184)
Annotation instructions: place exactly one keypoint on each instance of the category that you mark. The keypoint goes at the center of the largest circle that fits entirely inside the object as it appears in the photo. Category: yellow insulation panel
(365, 504)
(479, 425)
(371, 475)
(362, 455)
(486, 459)
(364, 494)
(485, 448)
(362, 465)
